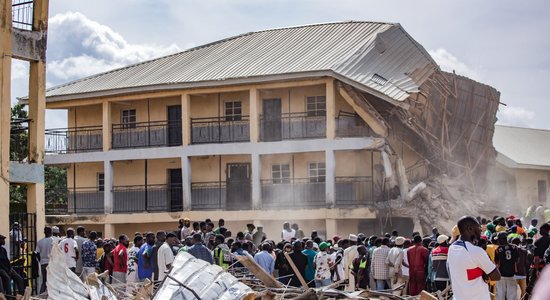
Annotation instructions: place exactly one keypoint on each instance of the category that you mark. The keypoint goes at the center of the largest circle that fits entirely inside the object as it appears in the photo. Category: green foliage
(19, 135)
(55, 185)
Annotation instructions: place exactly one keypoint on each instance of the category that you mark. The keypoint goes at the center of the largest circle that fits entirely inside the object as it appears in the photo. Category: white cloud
(79, 47)
(19, 69)
(516, 116)
(448, 62)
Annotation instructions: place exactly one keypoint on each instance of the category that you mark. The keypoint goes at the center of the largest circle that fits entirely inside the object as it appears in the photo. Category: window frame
(282, 170)
(231, 107)
(313, 171)
(100, 182)
(316, 106)
(128, 118)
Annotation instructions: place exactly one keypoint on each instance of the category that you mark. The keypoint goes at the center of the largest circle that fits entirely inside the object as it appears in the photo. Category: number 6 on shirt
(66, 248)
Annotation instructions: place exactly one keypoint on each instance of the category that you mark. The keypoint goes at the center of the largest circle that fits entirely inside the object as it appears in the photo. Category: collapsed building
(340, 127)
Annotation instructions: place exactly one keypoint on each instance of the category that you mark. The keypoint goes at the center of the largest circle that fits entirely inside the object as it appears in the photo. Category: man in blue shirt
(310, 253)
(145, 265)
(264, 259)
(199, 250)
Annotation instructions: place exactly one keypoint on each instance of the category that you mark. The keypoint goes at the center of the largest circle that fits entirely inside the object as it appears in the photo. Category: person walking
(468, 263)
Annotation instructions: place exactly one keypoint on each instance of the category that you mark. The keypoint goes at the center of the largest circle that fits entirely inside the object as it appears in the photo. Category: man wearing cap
(55, 235)
(165, 256)
(322, 263)
(350, 253)
(7, 273)
(468, 263)
(185, 228)
(395, 262)
(439, 263)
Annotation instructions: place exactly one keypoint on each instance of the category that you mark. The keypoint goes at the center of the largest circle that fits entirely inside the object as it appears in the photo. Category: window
(233, 111)
(541, 184)
(316, 106)
(280, 173)
(100, 182)
(316, 172)
(128, 118)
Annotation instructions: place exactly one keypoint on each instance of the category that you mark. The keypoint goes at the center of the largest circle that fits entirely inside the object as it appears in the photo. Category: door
(175, 190)
(238, 189)
(271, 130)
(174, 125)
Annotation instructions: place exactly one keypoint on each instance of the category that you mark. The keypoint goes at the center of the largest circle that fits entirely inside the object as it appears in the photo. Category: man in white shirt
(350, 253)
(468, 264)
(70, 248)
(165, 256)
(43, 248)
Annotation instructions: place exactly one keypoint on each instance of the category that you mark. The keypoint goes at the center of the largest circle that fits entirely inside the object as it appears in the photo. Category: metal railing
(146, 134)
(73, 140)
(82, 200)
(221, 195)
(219, 130)
(351, 125)
(292, 126)
(22, 14)
(352, 191)
(293, 193)
(150, 198)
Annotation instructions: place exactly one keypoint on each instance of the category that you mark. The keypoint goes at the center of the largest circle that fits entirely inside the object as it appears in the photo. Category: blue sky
(500, 43)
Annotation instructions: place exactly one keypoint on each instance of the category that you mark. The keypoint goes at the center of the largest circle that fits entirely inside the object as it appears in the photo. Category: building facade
(261, 128)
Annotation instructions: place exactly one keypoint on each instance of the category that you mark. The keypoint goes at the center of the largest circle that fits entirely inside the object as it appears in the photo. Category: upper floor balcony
(146, 134)
(73, 140)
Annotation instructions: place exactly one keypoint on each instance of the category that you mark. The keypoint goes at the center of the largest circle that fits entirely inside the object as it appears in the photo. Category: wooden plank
(296, 271)
(259, 272)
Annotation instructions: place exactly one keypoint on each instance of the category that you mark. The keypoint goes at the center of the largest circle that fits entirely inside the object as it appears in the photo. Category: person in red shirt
(417, 257)
(120, 259)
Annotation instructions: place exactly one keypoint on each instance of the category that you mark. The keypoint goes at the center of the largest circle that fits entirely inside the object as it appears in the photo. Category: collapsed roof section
(379, 58)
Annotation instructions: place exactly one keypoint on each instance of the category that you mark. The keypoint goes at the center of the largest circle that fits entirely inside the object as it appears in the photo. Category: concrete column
(37, 114)
(186, 119)
(108, 186)
(331, 109)
(254, 116)
(186, 182)
(330, 178)
(5, 115)
(256, 182)
(331, 228)
(109, 231)
(106, 125)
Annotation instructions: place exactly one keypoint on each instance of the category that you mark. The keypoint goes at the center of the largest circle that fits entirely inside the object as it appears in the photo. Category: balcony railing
(292, 126)
(75, 201)
(219, 130)
(221, 195)
(354, 191)
(293, 193)
(146, 134)
(75, 139)
(22, 14)
(150, 198)
(351, 125)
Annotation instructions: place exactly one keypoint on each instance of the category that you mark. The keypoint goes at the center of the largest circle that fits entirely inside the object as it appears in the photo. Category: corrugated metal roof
(525, 147)
(349, 50)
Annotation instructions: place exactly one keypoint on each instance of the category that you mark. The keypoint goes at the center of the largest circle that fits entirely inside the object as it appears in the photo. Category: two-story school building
(265, 127)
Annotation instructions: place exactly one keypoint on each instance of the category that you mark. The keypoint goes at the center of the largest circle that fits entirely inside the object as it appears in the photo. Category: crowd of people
(480, 256)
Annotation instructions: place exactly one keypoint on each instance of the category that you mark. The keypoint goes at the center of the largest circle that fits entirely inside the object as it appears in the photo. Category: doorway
(272, 120)
(239, 189)
(175, 190)
(174, 125)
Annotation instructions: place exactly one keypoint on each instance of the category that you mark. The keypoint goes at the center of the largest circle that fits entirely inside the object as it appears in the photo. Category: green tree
(55, 177)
